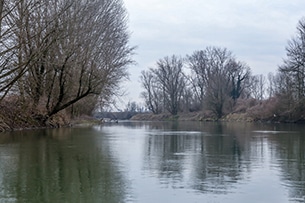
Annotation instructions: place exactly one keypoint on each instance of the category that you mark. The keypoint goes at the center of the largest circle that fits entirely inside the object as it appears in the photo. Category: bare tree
(217, 78)
(64, 51)
(170, 75)
(257, 87)
(1, 13)
(153, 93)
(271, 89)
(238, 74)
(164, 86)
(294, 64)
(217, 95)
(200, 69)
(189, 101)
(102, 41)
(10, 69)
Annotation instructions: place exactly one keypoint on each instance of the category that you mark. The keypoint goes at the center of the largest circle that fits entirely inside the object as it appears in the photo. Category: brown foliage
(242, 105)
(265, 110)
(276, 109)
(16, 114)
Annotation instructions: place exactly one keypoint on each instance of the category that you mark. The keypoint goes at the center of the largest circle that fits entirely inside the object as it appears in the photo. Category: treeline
(213, 81)
(62, 55)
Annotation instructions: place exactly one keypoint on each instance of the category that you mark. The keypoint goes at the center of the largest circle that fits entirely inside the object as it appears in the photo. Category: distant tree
(217, 78)
(169, 74)
(218, 92)
(164, 85)
(285, 91)
(257, 87)
(152, 95)
(294, 65)
(134, 107)
(271, 89)
(189, 101)
(131, 107)
(200, 71)
(291, 78)
(238, 73)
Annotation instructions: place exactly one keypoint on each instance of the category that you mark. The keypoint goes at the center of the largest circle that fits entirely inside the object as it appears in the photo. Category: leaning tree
(65, 51)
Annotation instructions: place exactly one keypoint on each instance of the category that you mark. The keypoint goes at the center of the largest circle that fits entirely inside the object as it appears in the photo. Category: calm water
(155, 162)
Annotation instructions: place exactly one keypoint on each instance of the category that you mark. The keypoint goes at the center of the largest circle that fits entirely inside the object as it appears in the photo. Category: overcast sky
(256, 31)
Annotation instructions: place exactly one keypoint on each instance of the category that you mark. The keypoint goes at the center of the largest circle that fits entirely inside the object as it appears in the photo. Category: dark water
(155, 162)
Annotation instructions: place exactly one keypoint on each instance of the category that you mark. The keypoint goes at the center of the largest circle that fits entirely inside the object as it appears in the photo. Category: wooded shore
(8, 122)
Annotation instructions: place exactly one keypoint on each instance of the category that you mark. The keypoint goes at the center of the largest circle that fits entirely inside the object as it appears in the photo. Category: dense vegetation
(60, 58)
(212, 81)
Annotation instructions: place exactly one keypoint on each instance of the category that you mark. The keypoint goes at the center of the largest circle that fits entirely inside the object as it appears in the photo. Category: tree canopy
(56, 54)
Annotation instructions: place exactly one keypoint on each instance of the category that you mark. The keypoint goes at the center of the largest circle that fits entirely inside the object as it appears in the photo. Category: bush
(16, 114)
(267, 110)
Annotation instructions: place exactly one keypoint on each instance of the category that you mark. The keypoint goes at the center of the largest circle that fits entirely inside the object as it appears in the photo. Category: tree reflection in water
(212, 162)
(141, 161)
(214, 158)
(290, 156)
(62, 165)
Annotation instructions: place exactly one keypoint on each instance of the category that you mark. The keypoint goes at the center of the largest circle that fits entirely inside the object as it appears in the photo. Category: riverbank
(15, 116)
(192, 116)
(23, 122)
(10, 122)
(204, 117)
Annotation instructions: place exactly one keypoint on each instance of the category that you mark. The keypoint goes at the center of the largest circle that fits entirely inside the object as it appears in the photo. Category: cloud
(256, 31)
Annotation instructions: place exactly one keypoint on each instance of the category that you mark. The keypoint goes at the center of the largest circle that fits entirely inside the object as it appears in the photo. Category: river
(149, 162)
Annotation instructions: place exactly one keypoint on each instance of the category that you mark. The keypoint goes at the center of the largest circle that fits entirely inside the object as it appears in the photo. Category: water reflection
(155, 162)
(217, 158)
(63, 165)
(290, 156)
(204, 162)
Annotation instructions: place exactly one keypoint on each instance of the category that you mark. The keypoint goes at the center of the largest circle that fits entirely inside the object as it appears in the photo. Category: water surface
(155, 162)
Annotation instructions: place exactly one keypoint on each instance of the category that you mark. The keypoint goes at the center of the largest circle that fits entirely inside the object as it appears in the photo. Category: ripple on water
(273, 132)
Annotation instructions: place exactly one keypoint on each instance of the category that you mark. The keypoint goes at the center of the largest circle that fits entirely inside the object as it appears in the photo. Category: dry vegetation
(59, 59)
(15, 114)
(224, 88)
(250, 110)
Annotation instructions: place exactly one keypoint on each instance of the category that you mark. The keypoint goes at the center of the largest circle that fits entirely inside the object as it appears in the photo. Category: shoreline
(202, 117)
(191, 116)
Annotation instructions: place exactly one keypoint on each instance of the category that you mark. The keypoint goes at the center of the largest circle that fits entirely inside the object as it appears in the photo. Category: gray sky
(256, 31)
